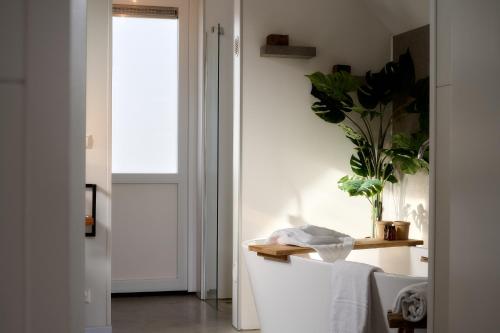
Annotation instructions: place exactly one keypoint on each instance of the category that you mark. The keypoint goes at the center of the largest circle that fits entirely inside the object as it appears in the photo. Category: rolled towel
(411, 302)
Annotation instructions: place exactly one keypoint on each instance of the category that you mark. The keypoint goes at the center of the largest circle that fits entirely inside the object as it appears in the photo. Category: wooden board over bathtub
(281, 252)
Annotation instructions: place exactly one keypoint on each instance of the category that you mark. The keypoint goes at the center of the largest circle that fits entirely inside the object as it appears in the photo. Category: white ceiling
(400, 15)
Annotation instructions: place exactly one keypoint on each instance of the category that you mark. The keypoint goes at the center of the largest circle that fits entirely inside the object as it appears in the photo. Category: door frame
(237, 165)
(188, 106)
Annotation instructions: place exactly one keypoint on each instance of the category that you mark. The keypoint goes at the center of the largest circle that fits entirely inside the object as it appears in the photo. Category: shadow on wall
(409, 201)
(419, 216)
(297, 220)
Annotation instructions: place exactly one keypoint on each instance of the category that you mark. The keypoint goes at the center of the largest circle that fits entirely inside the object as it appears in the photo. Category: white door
(150, 148)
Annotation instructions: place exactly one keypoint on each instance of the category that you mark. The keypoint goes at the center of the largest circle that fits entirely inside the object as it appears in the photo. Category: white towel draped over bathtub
(330, 244)
(351, 297)
(411, 302)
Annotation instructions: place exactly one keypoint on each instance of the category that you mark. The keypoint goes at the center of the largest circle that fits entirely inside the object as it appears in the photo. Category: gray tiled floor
(169, 314)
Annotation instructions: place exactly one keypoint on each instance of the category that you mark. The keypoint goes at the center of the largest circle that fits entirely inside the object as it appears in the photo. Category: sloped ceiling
(400, 15)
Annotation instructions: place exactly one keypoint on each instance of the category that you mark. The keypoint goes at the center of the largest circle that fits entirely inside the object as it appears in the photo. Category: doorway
(149, 149)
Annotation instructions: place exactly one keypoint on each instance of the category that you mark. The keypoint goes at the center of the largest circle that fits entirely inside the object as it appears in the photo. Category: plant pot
(380, 228)
(402, 229)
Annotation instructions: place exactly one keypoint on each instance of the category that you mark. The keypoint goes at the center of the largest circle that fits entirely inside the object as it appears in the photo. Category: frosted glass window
(145, 95)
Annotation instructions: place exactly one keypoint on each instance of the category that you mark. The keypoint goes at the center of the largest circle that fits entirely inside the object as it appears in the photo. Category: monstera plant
(366, 110)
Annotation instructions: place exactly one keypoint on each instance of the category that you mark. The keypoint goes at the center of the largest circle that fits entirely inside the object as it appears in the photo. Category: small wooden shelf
(286, 51)
(281, 252)
(370, 243)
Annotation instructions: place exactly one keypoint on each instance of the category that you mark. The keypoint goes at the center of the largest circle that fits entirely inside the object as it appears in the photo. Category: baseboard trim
(147, 285)
(105, 329)
(152, 293)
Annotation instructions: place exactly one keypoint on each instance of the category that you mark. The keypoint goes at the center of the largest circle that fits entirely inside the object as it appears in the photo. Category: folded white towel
(411, 302)
(351, 297)
(330, 245)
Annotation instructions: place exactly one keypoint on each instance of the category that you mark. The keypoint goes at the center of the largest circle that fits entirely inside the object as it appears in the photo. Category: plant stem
(359, 128)
(377, 209)
(367, 138)
(372, 141)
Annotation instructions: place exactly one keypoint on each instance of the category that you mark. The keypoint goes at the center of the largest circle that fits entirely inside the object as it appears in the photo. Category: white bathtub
(294, 297)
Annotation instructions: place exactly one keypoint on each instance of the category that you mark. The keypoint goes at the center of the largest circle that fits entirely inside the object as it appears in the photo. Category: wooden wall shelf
(286, 51)
(281, 252)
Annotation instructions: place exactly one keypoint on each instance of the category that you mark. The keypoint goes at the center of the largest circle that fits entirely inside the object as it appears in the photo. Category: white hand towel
(351, 297)
(411, 302)
(330, 244)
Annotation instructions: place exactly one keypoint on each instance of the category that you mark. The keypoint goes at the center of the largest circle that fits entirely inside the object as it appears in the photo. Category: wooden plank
(396, 320)
(370, 243)
(283, 51)
(274, 258)
(280, 251)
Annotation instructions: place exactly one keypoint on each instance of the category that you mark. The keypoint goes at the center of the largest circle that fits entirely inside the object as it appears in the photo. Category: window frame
(183, 103)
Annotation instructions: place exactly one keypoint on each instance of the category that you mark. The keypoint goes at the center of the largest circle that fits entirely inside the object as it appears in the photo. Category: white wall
(400, 15)
(98, 164)
(467, 269)
(291, 159)
(42, 168)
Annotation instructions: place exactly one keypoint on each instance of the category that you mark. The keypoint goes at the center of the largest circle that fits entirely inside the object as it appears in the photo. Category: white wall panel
(12, 23)
(442, 224)
(12, 207)
(98, 162)
(443, 55)
(475, 161)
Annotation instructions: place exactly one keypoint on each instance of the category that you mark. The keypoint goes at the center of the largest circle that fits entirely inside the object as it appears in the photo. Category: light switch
(89, 142)
(87, 296)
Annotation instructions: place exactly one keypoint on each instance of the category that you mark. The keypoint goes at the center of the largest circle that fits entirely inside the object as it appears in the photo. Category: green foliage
(404, 153)
(357, 186)
(375, 159)
(332, 94)
(394, 79)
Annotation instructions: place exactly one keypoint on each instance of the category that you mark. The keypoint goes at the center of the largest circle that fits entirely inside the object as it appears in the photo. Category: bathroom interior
(265, 169)
(261, 141)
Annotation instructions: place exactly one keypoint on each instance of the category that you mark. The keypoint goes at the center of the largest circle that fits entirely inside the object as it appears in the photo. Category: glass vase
(377, 209)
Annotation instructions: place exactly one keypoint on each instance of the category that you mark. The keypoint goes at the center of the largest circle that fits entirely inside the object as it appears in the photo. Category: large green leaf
(395, 78)
(353, 136)
(327, 108)
(359, 165)
(409, 165)
(388, 173)
(336, 85)
(412, 142)
(360, 186)
(404, 152)
(332, 94)
(362, 161)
